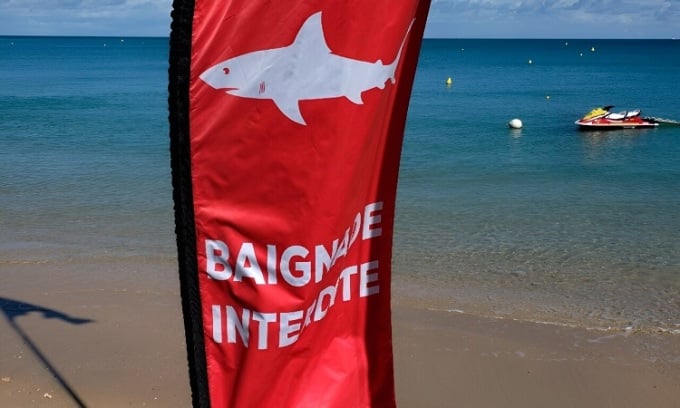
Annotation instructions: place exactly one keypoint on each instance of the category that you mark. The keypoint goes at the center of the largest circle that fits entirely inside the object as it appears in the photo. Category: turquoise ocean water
(545, 223)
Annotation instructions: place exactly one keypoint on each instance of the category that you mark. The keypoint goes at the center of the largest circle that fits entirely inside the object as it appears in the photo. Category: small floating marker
(449, 81)
(515, 124)
(530, 62)
(547, 97)
(581, 54)
(592, 49)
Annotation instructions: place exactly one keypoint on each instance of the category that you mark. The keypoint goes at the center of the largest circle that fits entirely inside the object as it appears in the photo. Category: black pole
(178, 101)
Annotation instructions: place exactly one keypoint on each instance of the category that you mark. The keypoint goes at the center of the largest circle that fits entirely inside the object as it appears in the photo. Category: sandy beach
(446, 359)
(98, 334)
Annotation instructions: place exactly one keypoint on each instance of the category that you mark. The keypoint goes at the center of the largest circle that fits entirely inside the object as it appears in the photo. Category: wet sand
(101, 334)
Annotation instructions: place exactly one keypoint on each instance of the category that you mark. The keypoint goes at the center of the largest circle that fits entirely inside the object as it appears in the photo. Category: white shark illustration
(307, 69)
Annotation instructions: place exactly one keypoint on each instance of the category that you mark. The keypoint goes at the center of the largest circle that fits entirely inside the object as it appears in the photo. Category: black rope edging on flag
(178, 103)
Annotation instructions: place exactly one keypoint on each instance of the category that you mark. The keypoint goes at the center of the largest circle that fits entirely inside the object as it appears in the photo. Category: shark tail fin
(393, 65)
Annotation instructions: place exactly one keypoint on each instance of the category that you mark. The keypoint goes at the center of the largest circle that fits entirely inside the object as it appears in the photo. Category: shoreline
(487, 312)
(113, 336)
(620, 307)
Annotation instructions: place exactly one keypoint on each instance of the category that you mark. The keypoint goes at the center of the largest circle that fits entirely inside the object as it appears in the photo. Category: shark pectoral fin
(292, 111)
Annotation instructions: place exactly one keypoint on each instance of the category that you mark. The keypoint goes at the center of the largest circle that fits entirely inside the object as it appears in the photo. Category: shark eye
(225, 70)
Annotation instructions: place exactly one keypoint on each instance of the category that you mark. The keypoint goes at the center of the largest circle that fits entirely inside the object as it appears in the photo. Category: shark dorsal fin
(310, 37)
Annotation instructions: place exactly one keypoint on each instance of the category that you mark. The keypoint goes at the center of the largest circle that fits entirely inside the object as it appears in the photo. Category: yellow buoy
(449, 81)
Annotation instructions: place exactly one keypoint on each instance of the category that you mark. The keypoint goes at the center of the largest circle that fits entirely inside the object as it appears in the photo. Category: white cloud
(85, 17)
(448, 18)
(559, 18)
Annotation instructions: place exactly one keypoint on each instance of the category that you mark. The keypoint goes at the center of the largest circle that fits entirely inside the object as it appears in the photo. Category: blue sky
(448, 18)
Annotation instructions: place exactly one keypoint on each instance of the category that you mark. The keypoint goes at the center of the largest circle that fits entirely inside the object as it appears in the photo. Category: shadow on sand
(14, 308)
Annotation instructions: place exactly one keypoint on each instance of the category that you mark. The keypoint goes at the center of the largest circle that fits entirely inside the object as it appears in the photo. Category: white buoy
(515, 124)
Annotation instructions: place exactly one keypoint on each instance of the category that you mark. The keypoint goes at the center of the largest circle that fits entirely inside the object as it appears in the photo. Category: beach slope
(101, 334)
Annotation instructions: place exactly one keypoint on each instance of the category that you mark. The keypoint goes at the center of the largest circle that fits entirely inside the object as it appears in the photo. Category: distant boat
(603, 119)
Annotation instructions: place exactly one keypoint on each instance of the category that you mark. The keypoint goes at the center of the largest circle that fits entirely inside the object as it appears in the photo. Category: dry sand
(101, 334)
(446, 359)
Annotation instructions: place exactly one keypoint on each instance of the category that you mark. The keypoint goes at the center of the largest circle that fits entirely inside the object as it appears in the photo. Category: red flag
(287, 121)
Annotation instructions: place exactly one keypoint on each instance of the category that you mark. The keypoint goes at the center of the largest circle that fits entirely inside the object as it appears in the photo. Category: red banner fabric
(296, 120)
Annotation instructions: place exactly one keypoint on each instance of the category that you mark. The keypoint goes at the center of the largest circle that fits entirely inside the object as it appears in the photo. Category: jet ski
(603, 119)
